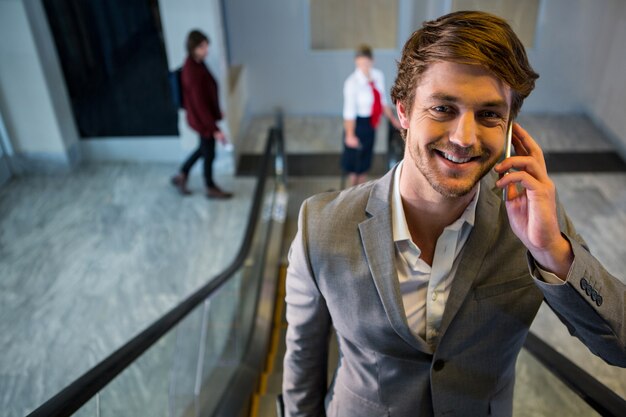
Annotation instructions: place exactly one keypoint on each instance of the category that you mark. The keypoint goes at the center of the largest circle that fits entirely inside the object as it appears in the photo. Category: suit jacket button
(438, 365)
(599, 300)
(588, 290)
(584, 284)
(594, 295)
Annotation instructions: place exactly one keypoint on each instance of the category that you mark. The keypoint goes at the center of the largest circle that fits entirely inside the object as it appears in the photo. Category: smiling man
(428, 278)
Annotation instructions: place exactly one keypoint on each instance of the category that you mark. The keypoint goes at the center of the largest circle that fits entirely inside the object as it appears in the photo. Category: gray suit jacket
(342, 274)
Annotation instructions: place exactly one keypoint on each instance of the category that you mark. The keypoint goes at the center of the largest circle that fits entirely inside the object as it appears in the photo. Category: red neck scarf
(377, 106)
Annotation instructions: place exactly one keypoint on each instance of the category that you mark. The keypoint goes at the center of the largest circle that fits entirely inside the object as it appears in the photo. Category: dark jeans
(206, 150)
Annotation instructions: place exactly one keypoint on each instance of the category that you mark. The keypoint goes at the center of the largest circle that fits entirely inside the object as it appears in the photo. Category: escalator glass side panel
(538, 392)
(188, 369)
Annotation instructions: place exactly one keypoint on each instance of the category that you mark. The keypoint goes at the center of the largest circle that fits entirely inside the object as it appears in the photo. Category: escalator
(202, 357)
(219, 352)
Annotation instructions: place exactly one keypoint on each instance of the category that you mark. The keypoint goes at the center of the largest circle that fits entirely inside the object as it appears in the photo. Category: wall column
(33, 98)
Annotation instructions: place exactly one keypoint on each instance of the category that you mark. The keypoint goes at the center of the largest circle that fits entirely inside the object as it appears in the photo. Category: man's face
(457, 126)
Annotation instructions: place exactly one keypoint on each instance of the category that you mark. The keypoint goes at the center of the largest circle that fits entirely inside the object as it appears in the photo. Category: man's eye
(490, 115)
(442, 109)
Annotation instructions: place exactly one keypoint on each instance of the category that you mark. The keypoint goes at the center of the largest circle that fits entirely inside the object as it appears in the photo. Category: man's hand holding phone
(531, 204)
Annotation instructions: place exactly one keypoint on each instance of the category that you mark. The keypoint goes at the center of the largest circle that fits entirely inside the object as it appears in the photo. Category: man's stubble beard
(431, 174)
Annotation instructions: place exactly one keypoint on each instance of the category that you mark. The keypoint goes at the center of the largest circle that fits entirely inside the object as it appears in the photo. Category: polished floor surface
(90, 259)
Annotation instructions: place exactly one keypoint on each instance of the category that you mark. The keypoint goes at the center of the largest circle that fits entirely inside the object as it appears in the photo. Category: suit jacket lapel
(377, 239)
(474, 252)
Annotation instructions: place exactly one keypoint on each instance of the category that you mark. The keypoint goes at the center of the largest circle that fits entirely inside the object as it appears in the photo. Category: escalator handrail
(395, 146)
(79, 392)
(597, 395)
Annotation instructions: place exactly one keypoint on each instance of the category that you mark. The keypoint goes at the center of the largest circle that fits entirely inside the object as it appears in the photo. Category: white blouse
(425, 289)
(357, 94)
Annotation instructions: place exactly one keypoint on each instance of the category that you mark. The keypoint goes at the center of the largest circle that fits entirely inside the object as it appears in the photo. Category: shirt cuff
(547, 277)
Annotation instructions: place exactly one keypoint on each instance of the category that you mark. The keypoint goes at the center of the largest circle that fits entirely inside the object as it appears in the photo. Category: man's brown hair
(467, 37)
(194, 39)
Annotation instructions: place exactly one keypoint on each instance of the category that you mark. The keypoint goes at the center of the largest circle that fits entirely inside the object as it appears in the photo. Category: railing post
(278, 139)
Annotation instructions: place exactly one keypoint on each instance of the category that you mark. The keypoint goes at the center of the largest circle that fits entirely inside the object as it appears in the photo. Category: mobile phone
(507, 154)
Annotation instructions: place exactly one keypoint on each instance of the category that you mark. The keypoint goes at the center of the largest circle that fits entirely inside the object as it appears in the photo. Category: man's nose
(464, 132)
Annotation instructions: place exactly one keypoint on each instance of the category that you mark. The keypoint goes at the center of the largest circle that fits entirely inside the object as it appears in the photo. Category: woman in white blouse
(364, 101)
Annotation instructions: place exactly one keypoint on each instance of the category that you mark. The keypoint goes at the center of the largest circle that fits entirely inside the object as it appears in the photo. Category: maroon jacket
(200, 98)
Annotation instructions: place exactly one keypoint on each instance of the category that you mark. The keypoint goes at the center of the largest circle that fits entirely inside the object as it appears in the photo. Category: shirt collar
(362, 77)
(398, 219)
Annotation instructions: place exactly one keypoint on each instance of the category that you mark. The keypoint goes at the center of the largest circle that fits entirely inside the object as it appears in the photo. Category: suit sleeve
(591, 301)
(305, 363)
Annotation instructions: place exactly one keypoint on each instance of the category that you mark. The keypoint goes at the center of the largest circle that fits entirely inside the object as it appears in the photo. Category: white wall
(6, 150)
(578, 52)
(5, 171)
(580, 56)
(181, 16)
(559, 57)
(33, 100)
(605, 92)
(178, 17)
(53, 74)
(25, 99)
(271, 40)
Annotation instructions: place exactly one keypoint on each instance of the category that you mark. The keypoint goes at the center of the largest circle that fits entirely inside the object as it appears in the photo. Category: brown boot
(180, 181)
(218, 193)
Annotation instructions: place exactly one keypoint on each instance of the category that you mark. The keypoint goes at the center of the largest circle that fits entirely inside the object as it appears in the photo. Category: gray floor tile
(90, 259)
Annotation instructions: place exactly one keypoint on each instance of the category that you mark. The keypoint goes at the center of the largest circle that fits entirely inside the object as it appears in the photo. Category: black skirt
(359, 160)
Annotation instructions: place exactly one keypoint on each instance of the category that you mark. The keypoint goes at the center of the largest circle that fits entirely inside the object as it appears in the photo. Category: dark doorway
(115, 67)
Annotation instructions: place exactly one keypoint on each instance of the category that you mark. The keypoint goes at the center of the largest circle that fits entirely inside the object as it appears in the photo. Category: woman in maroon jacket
(201, 102)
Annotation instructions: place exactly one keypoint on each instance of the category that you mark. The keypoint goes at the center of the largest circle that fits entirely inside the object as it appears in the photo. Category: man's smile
(456, 159)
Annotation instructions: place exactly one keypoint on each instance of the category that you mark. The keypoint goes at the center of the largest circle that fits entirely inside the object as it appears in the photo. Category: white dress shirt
(425, 289)
(357, 93)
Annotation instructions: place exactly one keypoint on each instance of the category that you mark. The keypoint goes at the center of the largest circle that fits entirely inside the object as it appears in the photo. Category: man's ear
(403, 116)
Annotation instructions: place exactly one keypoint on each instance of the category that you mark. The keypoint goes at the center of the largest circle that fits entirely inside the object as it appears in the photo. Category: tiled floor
(90, 259)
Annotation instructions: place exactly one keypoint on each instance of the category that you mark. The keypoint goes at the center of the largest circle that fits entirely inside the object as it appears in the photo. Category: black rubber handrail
(395, 146)
(75, 395)
(593, 392)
